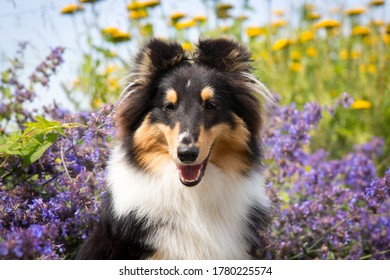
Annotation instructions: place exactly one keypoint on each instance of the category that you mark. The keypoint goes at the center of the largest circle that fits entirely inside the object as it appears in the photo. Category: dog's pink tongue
(190, 172)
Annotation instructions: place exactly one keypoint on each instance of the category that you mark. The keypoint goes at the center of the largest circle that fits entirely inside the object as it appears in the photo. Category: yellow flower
(279, 23)
(345, 55)
(368, 68)
(355, 54)
(186, 46)
(369, 40)
(371, 68)
(176, 16)
(386, 38)
(327, 23)
(311, 52)
(123, 36)
(138, 14)
(296, 67)
(376, 3)
(113, 34)
(71, 9)
(97, 102)
(200, 18)
(306, 36)
(111, 31)
(295, 55)
(264, 54)
(184, 24)
(361, 104)
(223, 10)
(313, 16)
(255, 31)
(356, 11)
(113, 84)
(133, 6)
(278, 12)
(377, 23)
(360, 31)
(149, 4)
(109, 69)
(224, 6)
(281, 44)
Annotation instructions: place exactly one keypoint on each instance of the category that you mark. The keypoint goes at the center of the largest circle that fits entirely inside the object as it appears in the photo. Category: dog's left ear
(158, 57)
(224, 55)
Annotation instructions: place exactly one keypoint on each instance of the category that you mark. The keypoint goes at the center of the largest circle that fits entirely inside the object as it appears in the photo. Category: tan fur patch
(171, 96)
(229, 146)
(171, 137)
(151, 146)
(207, 93)
(154, 143)
(156, 256)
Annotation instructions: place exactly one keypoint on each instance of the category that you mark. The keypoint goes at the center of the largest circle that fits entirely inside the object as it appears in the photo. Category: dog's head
(192, 112)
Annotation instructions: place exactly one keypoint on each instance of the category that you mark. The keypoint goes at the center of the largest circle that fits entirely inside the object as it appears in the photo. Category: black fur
(117, 239)
(259, 219)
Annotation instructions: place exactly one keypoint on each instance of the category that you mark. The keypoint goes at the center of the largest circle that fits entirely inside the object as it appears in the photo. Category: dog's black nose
(187, 154)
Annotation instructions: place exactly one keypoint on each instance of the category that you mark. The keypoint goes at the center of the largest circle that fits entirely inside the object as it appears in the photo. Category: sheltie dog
(185, 177)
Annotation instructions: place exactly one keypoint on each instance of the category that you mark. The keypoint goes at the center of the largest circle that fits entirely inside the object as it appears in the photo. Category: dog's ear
(157, 57)
(224, 55)
(154, 60)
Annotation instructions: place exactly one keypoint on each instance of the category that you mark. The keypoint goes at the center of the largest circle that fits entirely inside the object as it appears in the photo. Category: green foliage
(31, 144)
(98, 78)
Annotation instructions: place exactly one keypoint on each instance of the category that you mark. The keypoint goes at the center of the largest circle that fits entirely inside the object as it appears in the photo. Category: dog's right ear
(224, 55)
(156, 58)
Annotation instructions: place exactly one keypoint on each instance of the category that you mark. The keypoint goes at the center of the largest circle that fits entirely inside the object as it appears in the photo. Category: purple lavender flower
(324, 208)
(346, 100)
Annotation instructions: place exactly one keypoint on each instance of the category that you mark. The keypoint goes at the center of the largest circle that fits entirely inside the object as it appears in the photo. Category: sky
(40, 23)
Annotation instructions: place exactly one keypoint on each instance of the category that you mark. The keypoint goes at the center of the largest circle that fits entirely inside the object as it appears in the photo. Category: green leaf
(7, 92)
(38, 152)
(34, 141)
(9, 145)
(5, 76)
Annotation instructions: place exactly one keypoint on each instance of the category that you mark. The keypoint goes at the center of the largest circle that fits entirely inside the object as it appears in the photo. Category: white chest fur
(207, 221)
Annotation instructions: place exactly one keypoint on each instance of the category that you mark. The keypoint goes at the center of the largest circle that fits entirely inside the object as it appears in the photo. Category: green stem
(370, 255)
(5, 160)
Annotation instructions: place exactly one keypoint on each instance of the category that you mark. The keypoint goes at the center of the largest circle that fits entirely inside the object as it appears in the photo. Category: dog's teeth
(190, 173)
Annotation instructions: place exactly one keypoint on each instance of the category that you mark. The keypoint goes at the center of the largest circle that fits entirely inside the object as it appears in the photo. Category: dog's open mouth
(191, 175)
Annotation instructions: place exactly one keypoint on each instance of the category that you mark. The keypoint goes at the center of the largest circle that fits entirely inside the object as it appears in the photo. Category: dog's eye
(210, 106)
(169, 106)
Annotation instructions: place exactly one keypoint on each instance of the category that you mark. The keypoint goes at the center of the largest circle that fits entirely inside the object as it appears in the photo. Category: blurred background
(302, 50)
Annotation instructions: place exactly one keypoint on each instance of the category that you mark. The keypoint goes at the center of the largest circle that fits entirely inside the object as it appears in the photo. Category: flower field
(327, 143)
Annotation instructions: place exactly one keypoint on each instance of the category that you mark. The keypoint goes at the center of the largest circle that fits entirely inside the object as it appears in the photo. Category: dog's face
(191, 113)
